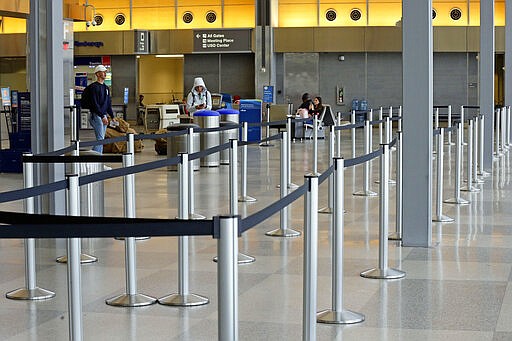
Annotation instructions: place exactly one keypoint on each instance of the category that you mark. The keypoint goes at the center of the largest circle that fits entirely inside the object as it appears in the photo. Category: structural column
(45, 64)
(417, 128)
(486, 81)
(508, 52)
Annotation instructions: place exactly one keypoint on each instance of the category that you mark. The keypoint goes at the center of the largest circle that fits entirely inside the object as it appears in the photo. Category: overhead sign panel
(215, 41)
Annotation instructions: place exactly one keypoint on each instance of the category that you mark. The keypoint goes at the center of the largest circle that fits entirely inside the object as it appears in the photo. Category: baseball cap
(100, 68)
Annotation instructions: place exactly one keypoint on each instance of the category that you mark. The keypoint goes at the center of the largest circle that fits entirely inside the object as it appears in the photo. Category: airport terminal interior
(459, 289)
(267, 53)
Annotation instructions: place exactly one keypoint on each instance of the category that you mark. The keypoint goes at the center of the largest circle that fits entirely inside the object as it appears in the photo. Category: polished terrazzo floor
(460, 289)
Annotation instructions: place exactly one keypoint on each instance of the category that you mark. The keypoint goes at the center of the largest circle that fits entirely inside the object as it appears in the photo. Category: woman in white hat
(199, 97)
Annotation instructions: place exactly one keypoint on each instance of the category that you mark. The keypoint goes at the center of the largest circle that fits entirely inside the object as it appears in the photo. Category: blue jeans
(99, 131)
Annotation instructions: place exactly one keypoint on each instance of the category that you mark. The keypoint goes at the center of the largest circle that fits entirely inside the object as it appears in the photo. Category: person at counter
(199, 97)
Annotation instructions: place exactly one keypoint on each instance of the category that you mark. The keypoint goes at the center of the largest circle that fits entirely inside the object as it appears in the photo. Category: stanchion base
(246, 199)
(187, 300)
(449, 144)
(127, 300)
(478, 181)
(27, 294)
(456, 201)
(136, 238)
(283, 233)
(443, 219)
(395, 236)
(325, 210)
(291, 185)
(339, 317)
(365, 194)
(387, 273)
(264, 144)
(84, 259)
(242, 259)
(390, 181)
(196, 216)
(483, 174)
(470, 189)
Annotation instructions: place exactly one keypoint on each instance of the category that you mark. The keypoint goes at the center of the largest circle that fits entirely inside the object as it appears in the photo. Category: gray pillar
(486, 81)
(417, 125)
(264, 69)
(508, 52)
(45, 62)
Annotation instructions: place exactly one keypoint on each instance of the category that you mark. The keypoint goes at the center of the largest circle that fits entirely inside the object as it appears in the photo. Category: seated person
(318, 107)
(306, 106)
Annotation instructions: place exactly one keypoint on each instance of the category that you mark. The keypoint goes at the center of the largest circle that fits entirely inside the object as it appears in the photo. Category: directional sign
(214, 41)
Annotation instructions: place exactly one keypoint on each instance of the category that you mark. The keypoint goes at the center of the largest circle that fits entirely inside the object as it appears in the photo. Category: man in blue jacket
(100, 106)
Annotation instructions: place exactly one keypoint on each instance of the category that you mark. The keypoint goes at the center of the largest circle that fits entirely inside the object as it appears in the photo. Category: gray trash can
(208, 119)
(179, 144)
(225, 136)
(231, 115)
(92, 202)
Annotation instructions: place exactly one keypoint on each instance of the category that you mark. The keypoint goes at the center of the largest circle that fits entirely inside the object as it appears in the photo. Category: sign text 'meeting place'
(222, 41)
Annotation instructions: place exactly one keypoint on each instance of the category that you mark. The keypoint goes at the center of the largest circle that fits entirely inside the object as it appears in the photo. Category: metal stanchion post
(267, 129)
(191, 189)
(503, 129)
(73, 265)
(449, 125)
(338, 135)
(397, 235)
(315, 145)
(233, 194)
(353, 133)
(476, 143)
(381, 115)
(439, 193)
(383, 271)
(283, 230)
(469, 170)
(183, 298)
(436, 119)
(462, 121)
(131, 298)
(389, 134)
(497, 152)
(400, 120)
(243, 193)
(366, 192)
(73, 129)
(337, 314)
(75, 169)
(458, 152)
(330, 195)
(310, 259)
(481, 170)
(289, 159)
(31, 291)
(130, 149)
(371, 131)
(508, 126)
(227, 279)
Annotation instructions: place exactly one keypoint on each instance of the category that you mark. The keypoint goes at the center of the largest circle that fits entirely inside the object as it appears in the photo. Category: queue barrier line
(258, 217)
(24, 193)
(24, 225)
(60, 151)
(103, 142)
(104, 175)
